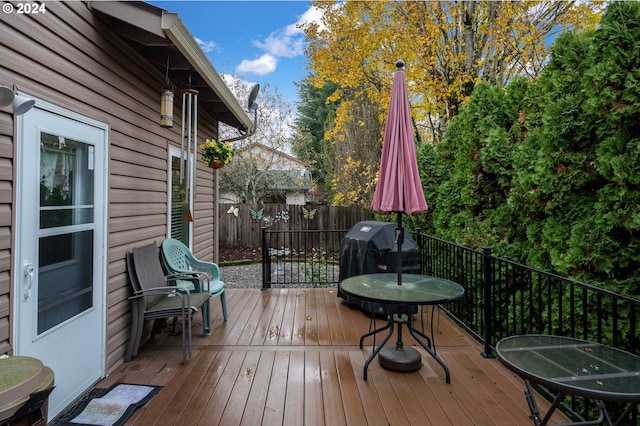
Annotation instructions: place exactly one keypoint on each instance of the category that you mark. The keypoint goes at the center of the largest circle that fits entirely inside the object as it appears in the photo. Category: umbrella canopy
(399, 189)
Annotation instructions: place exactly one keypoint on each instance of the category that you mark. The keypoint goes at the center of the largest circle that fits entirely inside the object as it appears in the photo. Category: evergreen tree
(315, 115)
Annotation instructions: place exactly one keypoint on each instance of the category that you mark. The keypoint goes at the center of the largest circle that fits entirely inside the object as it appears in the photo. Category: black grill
(370, 247)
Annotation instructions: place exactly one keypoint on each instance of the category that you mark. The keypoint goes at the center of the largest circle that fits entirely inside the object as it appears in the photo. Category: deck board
(291, 357)
(273, 413)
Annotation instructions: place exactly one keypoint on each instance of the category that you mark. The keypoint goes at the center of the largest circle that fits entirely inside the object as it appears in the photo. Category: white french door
(60, 279)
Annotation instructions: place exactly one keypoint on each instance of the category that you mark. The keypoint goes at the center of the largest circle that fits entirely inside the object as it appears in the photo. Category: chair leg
(173, 326)
(136, 333)
(189, 314)
(158, 325)
(206, 323)
(223, 300)
(186, 325)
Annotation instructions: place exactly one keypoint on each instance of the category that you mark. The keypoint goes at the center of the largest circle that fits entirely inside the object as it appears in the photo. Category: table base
(603, 417)
(423, 340)
(403, 360)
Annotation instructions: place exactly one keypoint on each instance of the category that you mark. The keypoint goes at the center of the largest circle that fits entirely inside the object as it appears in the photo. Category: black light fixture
(166, 102)
(166, 107)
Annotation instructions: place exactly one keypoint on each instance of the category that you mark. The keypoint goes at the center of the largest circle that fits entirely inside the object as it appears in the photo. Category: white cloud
(312, 15)
(207, 46)
(289, 42)
(281, 46)
(263, 65)
(286, 42)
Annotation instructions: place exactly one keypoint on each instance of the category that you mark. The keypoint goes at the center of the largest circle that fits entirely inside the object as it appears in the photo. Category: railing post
(266, 261)
(487, 301)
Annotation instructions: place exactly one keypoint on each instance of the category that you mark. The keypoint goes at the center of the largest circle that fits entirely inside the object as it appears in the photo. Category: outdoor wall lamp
(166, 107)
(20, 104)
(6, 96)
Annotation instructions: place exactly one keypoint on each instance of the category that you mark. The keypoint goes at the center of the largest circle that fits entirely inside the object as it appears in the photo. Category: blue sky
(256, 40)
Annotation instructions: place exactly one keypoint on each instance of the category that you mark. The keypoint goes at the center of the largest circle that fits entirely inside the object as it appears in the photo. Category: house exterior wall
(272, 159)
(6, 220)
(228, 198)
(292, 198)
(69, 58)
(296, 198)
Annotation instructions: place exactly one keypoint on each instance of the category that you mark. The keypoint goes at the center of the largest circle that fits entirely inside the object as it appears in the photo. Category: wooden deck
(291, 357)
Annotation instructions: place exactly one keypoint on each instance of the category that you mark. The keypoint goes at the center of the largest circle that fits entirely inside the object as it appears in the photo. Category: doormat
(108, 407)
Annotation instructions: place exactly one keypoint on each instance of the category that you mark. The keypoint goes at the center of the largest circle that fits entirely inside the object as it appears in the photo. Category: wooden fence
(242, 227)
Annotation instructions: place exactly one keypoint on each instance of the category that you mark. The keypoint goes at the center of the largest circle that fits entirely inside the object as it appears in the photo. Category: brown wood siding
(6, 229)
(69, 58)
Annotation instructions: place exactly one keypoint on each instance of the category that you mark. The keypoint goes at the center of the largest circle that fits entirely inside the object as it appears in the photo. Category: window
(179, 229)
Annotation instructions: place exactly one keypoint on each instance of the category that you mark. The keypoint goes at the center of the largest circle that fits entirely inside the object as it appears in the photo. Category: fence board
(244, 230)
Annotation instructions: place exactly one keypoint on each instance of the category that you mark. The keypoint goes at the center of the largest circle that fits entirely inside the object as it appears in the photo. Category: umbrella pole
(399, 358)
(399, 242)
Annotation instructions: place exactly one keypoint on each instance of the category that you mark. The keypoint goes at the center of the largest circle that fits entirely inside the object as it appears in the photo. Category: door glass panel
(66, 182)
(65, 243)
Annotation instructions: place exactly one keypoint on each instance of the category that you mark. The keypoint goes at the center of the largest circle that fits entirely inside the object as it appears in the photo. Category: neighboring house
(281, 174)
(88, 173)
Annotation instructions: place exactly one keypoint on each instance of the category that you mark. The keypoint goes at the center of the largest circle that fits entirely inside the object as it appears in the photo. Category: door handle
(29, 272)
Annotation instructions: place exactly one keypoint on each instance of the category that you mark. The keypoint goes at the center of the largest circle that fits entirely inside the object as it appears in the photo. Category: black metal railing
(505, 298)
(303, 258)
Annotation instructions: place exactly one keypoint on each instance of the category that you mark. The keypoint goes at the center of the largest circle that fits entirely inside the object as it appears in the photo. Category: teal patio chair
(178, 259)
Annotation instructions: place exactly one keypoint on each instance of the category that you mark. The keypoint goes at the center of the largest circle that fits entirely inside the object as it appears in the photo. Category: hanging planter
(216, 164)
(216, 154)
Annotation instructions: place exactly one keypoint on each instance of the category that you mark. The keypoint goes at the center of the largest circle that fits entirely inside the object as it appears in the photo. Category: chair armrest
(187, 276)
(170, 291)
(207, 267)
(167, 290)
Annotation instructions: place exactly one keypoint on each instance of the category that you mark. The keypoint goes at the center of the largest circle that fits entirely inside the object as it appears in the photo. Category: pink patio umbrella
(399, 189)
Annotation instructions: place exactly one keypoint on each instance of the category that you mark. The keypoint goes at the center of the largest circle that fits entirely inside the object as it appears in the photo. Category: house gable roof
(285, 172)
(162, 39)
(256, 147)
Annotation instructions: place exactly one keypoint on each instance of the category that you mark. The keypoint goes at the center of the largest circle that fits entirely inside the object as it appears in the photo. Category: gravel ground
(242, 276)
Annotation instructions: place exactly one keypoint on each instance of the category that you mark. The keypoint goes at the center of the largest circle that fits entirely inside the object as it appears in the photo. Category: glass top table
(415, 290)
(572, 366)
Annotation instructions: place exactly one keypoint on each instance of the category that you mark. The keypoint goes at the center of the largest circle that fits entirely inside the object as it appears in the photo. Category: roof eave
(184, 41)
(158, 22)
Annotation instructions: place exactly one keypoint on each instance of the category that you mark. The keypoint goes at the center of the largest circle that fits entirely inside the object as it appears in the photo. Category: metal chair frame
(156, 296)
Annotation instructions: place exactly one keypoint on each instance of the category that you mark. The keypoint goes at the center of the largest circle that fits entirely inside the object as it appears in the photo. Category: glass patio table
(416, 290)
(569, 366)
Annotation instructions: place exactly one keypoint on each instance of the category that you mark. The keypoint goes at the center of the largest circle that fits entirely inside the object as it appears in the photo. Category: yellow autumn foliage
(359, 180)
(448, 46)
